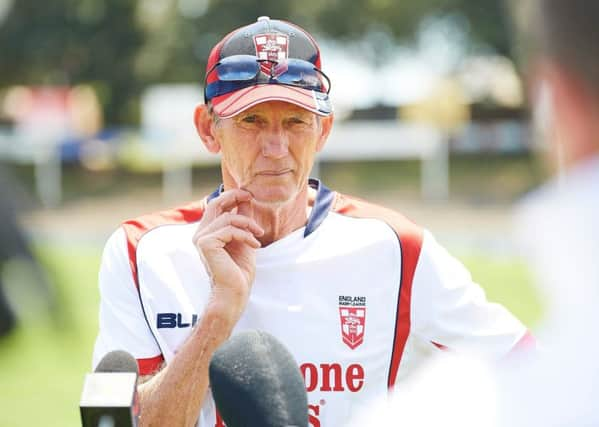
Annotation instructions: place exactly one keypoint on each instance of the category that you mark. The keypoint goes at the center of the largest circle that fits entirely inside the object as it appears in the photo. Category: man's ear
(326, 124)
(204, 123)
(573, 113)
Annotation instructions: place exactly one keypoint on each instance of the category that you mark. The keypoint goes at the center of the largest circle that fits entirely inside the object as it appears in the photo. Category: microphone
(109, 397)
(256, 382)
(117, 361)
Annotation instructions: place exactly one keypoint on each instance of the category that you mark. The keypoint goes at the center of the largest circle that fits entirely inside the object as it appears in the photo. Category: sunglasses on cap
(240, 71)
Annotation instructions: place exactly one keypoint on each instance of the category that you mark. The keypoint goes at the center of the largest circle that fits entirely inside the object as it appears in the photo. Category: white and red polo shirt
(360, 296)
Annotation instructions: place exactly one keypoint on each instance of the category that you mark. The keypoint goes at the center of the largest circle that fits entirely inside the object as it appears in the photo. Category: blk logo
(174, 320)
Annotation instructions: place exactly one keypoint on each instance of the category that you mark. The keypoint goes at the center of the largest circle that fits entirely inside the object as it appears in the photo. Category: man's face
(269, 149)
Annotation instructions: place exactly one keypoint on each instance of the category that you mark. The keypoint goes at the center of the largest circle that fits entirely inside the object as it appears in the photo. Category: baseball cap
(269, 60)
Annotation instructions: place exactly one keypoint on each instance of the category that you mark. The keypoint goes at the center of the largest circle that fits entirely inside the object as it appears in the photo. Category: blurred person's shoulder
(563, 211)
(568, 194)
(450, 389)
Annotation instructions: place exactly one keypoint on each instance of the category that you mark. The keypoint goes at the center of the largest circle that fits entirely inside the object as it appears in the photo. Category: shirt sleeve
(451, 311)
(122, 322)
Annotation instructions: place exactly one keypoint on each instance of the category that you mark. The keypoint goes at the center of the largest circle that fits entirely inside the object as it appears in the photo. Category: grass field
(42, 365)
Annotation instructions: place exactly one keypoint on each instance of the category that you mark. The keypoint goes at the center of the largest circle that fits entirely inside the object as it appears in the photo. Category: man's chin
(272, 199)
(274, 196)
(274, 192)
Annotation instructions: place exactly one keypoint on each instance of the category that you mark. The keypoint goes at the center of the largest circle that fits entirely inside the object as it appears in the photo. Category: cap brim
(231, 104)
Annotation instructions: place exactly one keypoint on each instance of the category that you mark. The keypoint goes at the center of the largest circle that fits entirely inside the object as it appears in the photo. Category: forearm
(174, 396)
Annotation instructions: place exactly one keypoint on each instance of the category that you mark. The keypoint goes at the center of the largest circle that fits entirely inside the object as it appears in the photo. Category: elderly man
(358, 294)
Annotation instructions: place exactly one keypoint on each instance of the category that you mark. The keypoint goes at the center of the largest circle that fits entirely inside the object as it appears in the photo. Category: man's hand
(226, 241)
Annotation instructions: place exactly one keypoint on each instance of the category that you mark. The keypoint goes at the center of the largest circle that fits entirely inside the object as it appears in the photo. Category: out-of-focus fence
(175, 156)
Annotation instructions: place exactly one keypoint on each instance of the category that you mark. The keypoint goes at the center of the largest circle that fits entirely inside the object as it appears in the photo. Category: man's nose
(275, 144)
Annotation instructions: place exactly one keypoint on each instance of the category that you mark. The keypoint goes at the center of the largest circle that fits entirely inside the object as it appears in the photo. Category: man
(358, 294)
(559, 223)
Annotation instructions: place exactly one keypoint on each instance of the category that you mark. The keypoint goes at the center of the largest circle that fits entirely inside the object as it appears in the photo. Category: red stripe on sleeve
(149, 366)
(134, 231)
(411, 243)
(440, 346)
(526, 343)
(410, 238)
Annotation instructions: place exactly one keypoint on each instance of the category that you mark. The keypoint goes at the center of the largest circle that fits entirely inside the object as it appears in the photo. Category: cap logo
(272, 47)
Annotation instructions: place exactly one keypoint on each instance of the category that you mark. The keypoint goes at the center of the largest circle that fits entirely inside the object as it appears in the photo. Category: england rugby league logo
(273, 47)
(352, 311)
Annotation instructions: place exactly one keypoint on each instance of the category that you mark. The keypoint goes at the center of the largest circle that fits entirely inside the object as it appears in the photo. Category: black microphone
(109, 397)
(256, 382)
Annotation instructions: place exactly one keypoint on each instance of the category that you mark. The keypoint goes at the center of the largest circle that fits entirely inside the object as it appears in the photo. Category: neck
(281, 219)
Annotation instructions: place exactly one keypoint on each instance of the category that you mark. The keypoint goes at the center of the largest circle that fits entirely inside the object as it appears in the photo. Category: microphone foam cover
(256, 382)
(117, 361)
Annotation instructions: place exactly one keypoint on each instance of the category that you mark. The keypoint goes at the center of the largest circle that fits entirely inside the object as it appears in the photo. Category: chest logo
(352, 313)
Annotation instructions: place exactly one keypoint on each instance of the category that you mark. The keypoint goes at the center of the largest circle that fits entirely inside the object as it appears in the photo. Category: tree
(66, 42)
(123, 45)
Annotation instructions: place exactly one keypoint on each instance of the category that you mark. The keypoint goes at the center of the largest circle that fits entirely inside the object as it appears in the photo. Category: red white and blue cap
(273, 40)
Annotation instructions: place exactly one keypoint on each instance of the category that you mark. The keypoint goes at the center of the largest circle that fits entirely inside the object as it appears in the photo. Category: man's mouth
(277, 172)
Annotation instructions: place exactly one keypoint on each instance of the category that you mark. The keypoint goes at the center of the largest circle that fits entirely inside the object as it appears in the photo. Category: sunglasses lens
(237, 68)
(298, 73)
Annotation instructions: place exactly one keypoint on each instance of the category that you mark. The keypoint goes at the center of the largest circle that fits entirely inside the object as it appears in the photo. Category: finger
(226, 201)
(245, 208)
(226, 235)
(244, 222)
(236, 220)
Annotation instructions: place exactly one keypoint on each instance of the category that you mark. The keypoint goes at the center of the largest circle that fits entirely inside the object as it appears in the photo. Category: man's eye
(249, 119)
